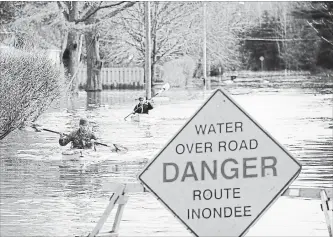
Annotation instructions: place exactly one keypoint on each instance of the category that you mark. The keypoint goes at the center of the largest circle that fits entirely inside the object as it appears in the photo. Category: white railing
(116, 77)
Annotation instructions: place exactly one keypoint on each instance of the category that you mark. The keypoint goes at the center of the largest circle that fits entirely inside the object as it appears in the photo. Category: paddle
(117, 148)
(165, 87)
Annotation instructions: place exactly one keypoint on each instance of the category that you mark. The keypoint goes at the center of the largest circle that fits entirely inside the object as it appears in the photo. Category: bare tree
(169, 28)
(65, 22)
(225, 22)
(86, 13)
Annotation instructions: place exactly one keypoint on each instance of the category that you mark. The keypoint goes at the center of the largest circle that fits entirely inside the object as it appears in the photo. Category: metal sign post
(262, 62)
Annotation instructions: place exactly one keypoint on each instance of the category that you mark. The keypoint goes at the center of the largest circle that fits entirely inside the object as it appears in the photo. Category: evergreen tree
(319, 15)
(257, 43)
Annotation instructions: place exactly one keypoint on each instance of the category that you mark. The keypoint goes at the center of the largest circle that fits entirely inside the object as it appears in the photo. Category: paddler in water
(82, 138)
(143, 107)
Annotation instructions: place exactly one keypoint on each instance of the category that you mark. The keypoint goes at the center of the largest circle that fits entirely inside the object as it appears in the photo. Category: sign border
(259, 126)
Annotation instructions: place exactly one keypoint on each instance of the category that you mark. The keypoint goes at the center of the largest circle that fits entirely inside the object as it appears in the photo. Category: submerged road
(38, 198)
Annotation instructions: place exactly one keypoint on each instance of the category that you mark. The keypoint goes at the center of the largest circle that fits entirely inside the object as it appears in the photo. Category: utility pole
(259, 12)
(285, 33)
(147, 50)
(204, 63)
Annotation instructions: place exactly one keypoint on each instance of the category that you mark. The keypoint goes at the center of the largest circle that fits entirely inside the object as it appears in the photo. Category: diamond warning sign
(221, 171)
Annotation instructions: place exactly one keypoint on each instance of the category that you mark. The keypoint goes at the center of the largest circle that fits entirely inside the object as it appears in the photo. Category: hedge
(29, 82)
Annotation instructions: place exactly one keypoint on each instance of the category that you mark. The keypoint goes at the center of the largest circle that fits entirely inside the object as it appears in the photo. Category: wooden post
(80, 49)
(113, 200)
(121, 77)
(325, 208)
(121, 206)
(147, 50)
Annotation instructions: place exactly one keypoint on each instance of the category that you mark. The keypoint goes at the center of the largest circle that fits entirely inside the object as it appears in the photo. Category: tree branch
(63, 11)
(115, 12)
(93, 11)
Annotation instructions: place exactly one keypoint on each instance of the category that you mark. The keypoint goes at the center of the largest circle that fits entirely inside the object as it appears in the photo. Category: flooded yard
(40, 197)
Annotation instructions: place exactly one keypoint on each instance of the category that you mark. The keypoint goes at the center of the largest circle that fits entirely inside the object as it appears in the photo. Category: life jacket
(143, 109)
(82, 139)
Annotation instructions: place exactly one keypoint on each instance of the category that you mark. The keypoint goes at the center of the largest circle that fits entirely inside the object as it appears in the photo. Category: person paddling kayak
(143, 107)
(82, 138)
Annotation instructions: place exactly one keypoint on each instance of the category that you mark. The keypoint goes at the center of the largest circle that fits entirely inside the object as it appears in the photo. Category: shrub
(29, 82)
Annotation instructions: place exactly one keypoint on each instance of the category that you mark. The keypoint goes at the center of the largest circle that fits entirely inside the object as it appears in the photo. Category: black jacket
(143, 109)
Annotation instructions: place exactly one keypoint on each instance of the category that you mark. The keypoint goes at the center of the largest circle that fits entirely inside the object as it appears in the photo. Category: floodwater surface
(40, 196)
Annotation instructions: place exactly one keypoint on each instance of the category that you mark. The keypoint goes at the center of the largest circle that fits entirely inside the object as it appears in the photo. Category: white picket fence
(118, 78)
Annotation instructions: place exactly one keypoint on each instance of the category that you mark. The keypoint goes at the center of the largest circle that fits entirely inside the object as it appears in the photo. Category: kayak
(78, 154)
(141, 118)
(80, 158)
(135, 118)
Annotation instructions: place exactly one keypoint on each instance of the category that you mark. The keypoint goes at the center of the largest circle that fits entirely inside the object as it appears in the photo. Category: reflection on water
(41, 195)
(93, 100)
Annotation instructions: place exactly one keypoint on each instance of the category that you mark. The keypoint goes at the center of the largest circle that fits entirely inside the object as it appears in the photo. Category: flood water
(39, 197)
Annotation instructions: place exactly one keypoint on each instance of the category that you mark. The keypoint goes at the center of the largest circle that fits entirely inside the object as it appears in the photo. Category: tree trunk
(94, 64)
(153, 89)
(70, 57)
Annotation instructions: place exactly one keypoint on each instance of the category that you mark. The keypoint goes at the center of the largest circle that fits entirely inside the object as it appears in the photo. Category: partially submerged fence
(133, 78)
(116, 78)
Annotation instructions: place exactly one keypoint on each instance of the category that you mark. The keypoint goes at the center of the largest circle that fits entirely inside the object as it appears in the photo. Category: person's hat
(83, 121)
(141, 98)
